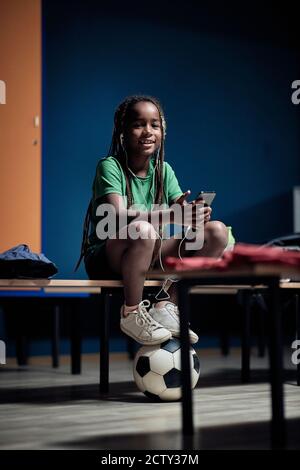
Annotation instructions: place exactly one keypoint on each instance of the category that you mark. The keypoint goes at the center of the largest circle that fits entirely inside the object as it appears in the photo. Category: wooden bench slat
(69, 283)
(95, 286)
(72, 290)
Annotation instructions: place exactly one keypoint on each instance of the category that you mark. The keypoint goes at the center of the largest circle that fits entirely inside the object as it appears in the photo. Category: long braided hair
(116, 149)
(120, 122)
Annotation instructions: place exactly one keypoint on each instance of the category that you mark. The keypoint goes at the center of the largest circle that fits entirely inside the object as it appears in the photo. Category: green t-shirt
(110, 178)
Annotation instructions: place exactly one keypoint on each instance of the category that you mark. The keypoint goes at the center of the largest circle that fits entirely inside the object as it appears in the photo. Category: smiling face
(143, 133)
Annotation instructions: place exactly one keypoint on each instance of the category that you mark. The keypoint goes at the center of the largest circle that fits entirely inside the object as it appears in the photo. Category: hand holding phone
(207, 196)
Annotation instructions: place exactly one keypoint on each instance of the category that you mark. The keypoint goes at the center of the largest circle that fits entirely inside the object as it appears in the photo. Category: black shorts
(97, 265)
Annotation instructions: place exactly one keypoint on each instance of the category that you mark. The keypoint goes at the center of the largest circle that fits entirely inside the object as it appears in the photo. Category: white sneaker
(168, 316)
(140, 326)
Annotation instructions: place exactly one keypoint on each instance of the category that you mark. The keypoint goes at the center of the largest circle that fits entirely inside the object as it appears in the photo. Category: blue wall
(224, 81)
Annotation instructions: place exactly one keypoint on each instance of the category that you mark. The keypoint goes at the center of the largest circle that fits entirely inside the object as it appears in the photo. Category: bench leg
(224, 335)
(278, 425)
(21, 338)
(75, 338)
(262, 309)
(297, 311)
(21, 347)
(104, 340)
(131, 348)
(187, 395)
(246, 312)
(55, 336)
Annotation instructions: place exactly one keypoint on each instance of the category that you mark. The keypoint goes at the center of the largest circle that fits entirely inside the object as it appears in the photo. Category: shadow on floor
(234, 436)
(126, 392)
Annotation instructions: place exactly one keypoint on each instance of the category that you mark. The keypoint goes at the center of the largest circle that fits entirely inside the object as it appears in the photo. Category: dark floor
(45, 408)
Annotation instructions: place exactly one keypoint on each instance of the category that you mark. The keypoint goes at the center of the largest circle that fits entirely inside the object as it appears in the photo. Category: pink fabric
(241, 255)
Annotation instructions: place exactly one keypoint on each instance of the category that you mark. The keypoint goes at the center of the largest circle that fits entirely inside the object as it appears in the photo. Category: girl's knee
(218, 232)
(142, 232)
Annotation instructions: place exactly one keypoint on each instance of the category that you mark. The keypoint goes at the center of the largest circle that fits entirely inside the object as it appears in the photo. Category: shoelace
(144, 319)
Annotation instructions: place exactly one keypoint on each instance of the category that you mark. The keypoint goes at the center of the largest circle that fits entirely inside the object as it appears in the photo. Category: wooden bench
(105, 289)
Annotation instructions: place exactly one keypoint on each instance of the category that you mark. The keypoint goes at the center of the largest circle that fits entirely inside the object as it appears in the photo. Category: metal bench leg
(246, 311)
(104, 340)
(262, 309)
(131, 345)
(21, 339)
(278, 430)
(297, 311)
(55, 336)
(224, 336)
(187, 396)
(21, 347)
(75, 338)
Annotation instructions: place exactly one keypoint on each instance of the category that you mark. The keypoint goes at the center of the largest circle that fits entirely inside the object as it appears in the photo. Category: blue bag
(19, 262)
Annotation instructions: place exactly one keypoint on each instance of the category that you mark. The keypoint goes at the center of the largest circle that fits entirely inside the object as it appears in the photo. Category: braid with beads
(116, 149)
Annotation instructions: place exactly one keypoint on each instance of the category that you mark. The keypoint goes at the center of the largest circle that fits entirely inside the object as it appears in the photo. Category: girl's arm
(160, 217)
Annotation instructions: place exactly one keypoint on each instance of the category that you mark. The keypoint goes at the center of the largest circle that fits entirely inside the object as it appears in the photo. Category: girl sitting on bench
(135, 175)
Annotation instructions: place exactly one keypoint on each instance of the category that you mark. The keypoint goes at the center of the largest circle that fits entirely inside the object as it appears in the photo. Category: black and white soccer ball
(156, 370)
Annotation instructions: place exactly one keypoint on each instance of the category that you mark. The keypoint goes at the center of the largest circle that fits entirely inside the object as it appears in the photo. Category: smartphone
(207, 196)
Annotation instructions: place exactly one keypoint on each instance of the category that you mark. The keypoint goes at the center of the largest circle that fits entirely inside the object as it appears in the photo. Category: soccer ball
(156, 370)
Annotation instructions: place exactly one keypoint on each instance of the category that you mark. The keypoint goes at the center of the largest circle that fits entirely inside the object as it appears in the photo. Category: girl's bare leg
(132, 259)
